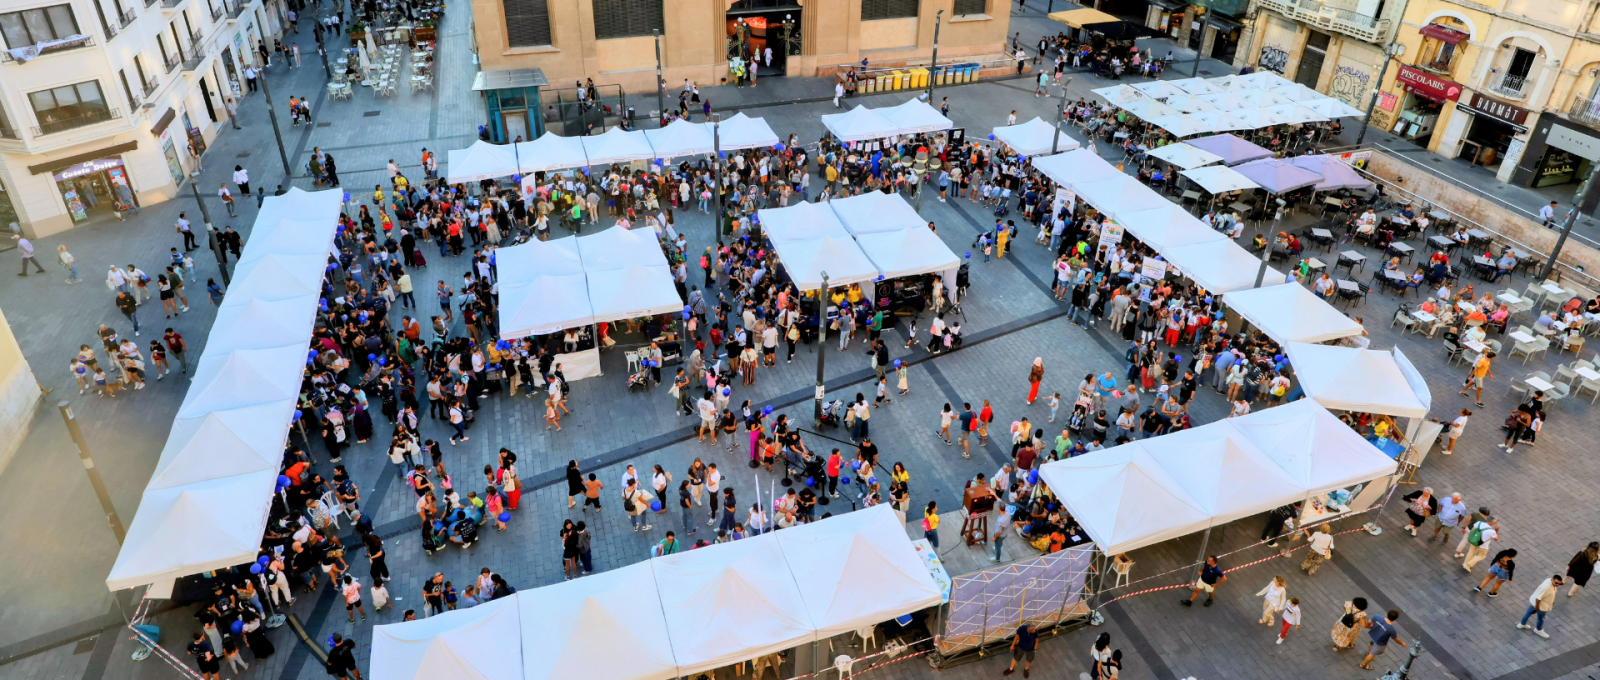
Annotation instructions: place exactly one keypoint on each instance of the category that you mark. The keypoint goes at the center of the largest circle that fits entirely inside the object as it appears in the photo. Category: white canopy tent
(909, 252)
(1218, 179)
(1184, 156)
(1354, 379)
(859, 124)
(874, 211)
(480, 161)
(1158, 89)
(1074, 168)
(1033, 138)
(577, 628)
(1220, 266)
(205, 507)
(481, 642)
(617, 146)
(1156, 489)
(744, 132)
(1218, 121)
(841, 257)
(1296, 113)
(1164, 225)
(616, 248)
(543, 288)
(852, 571)
(551, 152)
(680, 138)
(1121, 94)
(1181, 125)
(1189, 103)
(1195, 86)
(802, 221)
(1331, 108)
(1118, 194)
(916, 116)
(1290, 313)
(632, 291)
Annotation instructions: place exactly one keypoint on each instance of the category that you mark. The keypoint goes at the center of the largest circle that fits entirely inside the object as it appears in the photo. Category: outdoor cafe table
(1403, 249)
(1552, 289)
(1520, 336)
(1474, 345)
(1538, 383)
(1422, 316)
(1353, 257)
(1441, 242)
(1586, 373)
(1508, 298)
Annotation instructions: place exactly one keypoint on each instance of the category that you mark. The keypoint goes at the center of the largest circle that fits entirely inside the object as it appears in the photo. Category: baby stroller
(639, 381)
(832, 413)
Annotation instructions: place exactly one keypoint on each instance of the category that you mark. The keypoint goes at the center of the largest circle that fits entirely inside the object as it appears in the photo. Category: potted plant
(358, 31)
(425, 30)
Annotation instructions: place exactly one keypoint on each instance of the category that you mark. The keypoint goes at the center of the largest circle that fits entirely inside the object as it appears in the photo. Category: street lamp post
(661, 82)
(716, 167)
(822, 347)
(1204, 22)
(933, 64)
(94, 473)
(277, 133)
(1394, 50)
(1061, 113)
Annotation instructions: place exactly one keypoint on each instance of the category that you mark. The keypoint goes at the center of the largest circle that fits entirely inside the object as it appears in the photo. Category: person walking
(183, 229)
(1454, 430)
(1035, 376)
(930, 524)
(25, 249)
(1451, 512)
(1422, 506)
(1349, 626)
(574, 483)
(1023, 646)
(129, 308)
(1501, 570)
(67, 261)
(1478, 539)
(1540, 603)
(1480, 374)
(241, 178)
(946, 417)
(1517, 425)
(1274, 597)
(1211, 576)
(1291, 617)
(1320, 549)
(227, 199)
(1582, 567)
(1383, 632)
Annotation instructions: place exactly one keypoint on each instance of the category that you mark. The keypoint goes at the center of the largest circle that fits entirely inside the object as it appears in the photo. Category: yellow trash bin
(897, 80)
(922, 78)
(938, 77)
(883, 84)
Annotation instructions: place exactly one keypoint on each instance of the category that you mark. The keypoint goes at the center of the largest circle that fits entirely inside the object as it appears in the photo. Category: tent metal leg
(1205, 541)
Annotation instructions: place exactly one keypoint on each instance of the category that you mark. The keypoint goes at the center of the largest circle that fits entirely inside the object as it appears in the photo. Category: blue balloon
(263, 560)
(897, 363)
(811, 481)
(238, 627)
(844, 480)
(297, 414)
(372, 357)
(505, 516)
(969, 254)
(766, 410)
(311, 362)
(283, 481)
(311, 354)
(777, 147)
(855, 465)
(871, 481)
(516, 178)
(383, 361)
(655, 506)
(256, 569)
(991, 136)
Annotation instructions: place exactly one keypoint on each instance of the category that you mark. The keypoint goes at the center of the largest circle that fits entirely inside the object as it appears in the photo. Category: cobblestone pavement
(55, 594)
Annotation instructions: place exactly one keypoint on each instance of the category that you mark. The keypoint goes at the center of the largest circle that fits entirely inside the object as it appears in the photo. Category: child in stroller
(832, 413)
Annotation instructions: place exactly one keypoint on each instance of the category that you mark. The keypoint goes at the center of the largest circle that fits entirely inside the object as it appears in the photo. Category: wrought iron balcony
(1369, 29)
(126, 17)
(235, 8)
(171, 62)
(170, 4)
(151, 85)
(50, 127)
(1511, 86)
(192, 58)
(1585, 110)
(216, 13)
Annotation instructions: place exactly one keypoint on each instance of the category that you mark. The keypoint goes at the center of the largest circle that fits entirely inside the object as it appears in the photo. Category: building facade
(1217, 28)
(1335, 47)
(1509, 85)
(614, 42)
(19, 394)
(97, 93)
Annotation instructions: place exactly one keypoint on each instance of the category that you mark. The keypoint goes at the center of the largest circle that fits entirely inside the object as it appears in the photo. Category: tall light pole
(1579, 199)
(277, 132)
(1204, 22)
(716, 167)
(99, 484)
(661, 81)
(1061, 113)
(1394, 50)
(933, 64)
(822, 347)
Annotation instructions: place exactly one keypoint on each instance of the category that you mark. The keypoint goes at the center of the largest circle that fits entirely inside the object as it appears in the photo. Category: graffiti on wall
(1350, 85)
(1381, 119)
(1275, 59)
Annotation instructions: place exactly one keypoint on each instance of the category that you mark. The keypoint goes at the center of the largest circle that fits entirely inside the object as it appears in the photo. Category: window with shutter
(888, 9)
(527, 23)
(627, 18)
(966, 7)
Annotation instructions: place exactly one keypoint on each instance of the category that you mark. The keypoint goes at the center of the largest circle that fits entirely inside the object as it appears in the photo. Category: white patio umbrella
(1195, 86)
(1189, 103)
(1264, 79)
(1184, 156)
(372, 47)
(1225, 101)
(1219, 121)
(1258, 118)
(1218, 179)
(1149, 109)
(1158, 89)
(366, 61)
(1295, 113)
(1260, 98)
(1296, 92)
(1181, 125)
(1120, 94)
(1332, 108)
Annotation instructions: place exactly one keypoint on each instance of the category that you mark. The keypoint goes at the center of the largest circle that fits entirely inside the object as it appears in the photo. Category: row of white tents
(1193, 106)
(552, 152)
(861, 123)
(677, 615)
(859, 239)
(206, 505)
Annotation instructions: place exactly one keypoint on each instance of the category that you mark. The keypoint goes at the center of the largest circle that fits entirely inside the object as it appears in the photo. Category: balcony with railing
(235, 8)
(1585, 110)
(170, 62)
(53, 126)
(1369, 29)
(150, 86)
(1509, 86)
(216, 13)
(66, 46)
(195, 36)
(171, 4)
(192, 58)
(126, 17)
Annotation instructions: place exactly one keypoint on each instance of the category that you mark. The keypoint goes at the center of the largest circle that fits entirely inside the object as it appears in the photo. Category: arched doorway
(754, 26)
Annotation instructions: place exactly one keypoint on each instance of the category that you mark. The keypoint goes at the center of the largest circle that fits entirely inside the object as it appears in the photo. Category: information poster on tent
(1110, 234)
(1064, 198)
(1154, 269)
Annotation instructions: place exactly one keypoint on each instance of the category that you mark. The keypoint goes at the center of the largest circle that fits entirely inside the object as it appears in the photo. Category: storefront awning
(1078, 17)
(163, 122)
(1443, 32)
(69, 161)
(1427, 85)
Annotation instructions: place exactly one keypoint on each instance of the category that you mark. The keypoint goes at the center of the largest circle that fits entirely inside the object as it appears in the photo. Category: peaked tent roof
(246, 377)
(802, 221)
(291, 238)
(551, 152)
(1233, 150)
(616, 146)
(1118, 194)
(1354, 379)
(1332, 108)
(1336, 174)
(1264, 79)
(559, 256)
(1123, 498)
(223, 444)
(680, 138)
(480, 161)
(744, 132)
(1164, 225)
(560, 622)
(1034, 137)
(260, 324)
(1290, 313)
(1217, 179)
(1218, 121)
(1121, 94)
(546, 304)
(840, 257)
(276, 277)
(916, 116)
(1181, 125)
(194, 527)
(1318, 450)
(1194, 85)
(479, 643)
(1220, 266)
(1296, 113)
(730, 602)
(1277, 176)
(875, 211)
(907, 252)
(1074, 168)
(1159, 89)
(859, 124)
(1223, 472)
(1259, 117)
(633, 291)
(856, 573)
(616, 248)
(1185, 156)
(1189, 103)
